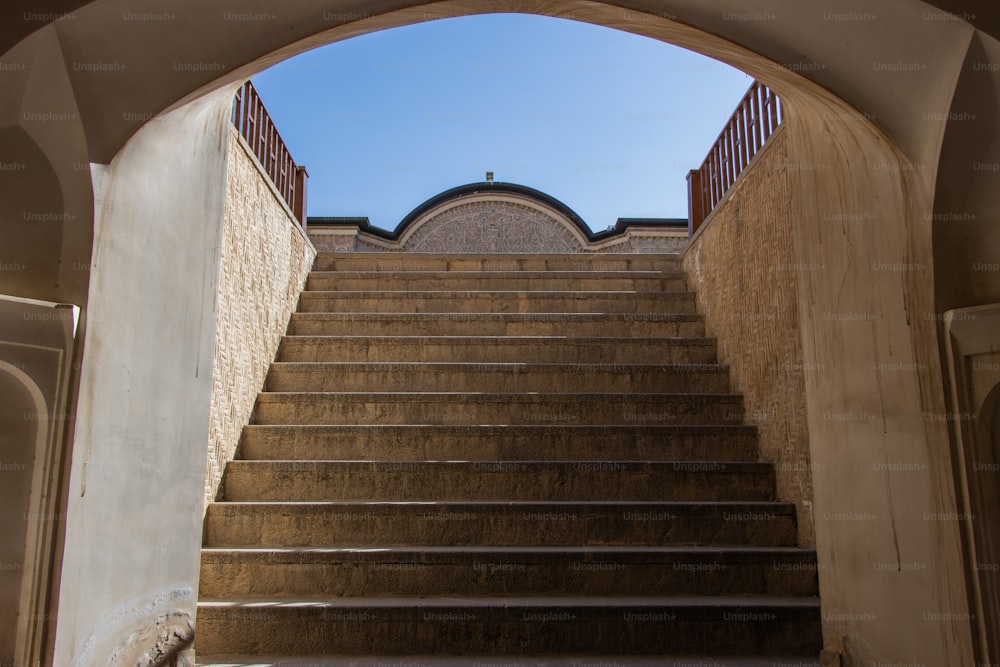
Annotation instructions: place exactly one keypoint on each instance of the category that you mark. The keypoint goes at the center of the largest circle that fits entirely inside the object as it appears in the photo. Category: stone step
(496, 324)
(749, 625)
(380, 261)
(499, 349)
(501, 523)
(500, 443)
(505, 661)
(472, 408)
(319, 481)
(647, 281)
(447, 571)
(573, 301)
(503, 377)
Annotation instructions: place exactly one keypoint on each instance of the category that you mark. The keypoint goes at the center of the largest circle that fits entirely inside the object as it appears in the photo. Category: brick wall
(743, 266)
(264, 263)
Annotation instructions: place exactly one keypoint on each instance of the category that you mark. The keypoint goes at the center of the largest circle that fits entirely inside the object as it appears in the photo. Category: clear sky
(605, 121)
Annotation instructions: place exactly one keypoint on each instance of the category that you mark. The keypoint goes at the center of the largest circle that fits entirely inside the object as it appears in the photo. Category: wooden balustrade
(256, 126)
(757, 116)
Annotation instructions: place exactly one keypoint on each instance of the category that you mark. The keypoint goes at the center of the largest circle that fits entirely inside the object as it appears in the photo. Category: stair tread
(534, 340)
(532, 462)
(475, 465)
(504, 429)
(640, 274)
(511, 504)
(505, 661)
(518, 292)
(375, 552)
(541, 317)
(436, 396)
(578, 601)
(300, 339)
(505, 364)
(531, 273)
(498, 366)
(582, 256)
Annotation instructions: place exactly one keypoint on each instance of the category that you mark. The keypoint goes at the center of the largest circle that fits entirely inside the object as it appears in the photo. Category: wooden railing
(253, 122)
(757, 116)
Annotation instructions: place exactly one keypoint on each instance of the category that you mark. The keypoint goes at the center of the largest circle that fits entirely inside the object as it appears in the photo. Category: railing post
(301, 185)
(696, 211)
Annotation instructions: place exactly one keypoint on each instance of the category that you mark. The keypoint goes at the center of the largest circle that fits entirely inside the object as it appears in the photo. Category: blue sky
(605, 121)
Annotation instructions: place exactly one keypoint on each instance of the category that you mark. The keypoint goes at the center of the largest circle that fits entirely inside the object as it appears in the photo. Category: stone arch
(843, 123)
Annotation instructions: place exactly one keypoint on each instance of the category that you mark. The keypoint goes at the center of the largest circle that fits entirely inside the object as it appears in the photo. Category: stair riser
(491, 302)
(391, 377)
(479, 324)
(233, 576)
(412, 262)
(506, 444)
(334, 281)
(304, 481)
(512, 631)
(266, 526)
(492, 350)
(485, 378)
(503, 409)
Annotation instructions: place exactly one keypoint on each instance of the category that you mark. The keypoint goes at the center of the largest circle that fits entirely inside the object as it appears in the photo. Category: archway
(844, 165)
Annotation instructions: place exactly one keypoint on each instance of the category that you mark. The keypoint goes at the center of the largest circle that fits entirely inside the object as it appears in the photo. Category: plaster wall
(136, 490)
(822, 234)
(892, 582)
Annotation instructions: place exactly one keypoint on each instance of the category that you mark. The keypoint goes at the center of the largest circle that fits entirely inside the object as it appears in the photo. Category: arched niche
(973, 344)
(24, 424)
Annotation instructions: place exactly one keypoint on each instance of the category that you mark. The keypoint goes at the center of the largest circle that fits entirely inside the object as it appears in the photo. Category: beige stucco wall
(743, 267)
(129, 579)
(265, 258)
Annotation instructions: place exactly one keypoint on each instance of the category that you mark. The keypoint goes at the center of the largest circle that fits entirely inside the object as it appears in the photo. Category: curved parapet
(496, 217)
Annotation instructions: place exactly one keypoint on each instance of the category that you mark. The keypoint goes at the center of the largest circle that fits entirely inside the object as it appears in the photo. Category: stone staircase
(501, 455)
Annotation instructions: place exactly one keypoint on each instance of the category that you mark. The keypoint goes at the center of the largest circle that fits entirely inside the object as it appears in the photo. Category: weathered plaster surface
(137, 481)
